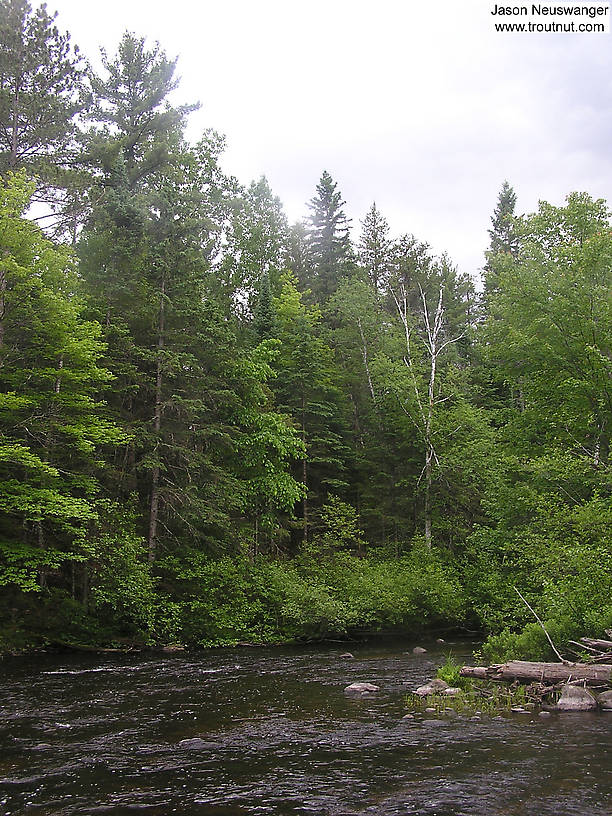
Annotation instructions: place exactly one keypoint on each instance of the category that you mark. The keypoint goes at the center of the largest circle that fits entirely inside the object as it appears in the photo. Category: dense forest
(217, 426)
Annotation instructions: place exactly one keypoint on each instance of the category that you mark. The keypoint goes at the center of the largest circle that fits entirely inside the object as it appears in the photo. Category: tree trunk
(154, 511)
(304, 475)
(542, 672)
(2, 296)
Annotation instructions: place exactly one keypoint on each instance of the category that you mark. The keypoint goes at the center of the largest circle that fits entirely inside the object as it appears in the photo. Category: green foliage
(449, 672)
(41, 93)
(199, 445)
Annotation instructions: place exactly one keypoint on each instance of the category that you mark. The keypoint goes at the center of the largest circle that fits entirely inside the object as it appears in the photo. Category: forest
(218, 427)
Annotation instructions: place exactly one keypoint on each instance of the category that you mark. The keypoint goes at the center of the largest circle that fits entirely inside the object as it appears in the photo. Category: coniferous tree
(375, 247)
(503, 234)
(41, 93)
(263, 320)
(329, 245)
(131, 112)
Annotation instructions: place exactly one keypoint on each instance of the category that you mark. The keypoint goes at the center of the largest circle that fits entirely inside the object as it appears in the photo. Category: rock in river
(575, 698)
(604, 700)
(435, 686)
(194, 744)
(361, 688)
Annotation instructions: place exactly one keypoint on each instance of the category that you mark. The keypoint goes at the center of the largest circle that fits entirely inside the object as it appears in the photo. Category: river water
(271, 731)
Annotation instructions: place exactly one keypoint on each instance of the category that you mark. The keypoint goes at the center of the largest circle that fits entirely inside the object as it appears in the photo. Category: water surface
(270, 731)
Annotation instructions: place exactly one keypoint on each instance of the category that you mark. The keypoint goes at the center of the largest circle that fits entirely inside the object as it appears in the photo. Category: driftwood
(592, 675)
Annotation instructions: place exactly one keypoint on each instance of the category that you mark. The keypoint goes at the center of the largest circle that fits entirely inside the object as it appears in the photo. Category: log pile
(588, 673)
(560, 686)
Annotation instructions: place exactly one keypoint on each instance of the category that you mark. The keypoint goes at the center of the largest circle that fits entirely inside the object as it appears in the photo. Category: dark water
(275, 734)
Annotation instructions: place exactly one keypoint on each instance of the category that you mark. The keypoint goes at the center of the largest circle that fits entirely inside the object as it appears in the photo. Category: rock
(604, 700)
(519, 710)
(440, 640)
(475, 718)
(575, 698)
(419, 650)
(451, 692)
(434, 686)
(499, 717)
(408, 717)
(544, 714)
(430, 710)
(362, 688)
(348, 655)
(172, 649)
(194, 744)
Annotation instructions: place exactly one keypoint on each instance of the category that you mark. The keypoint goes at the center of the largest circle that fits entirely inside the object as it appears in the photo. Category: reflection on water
(262, 731)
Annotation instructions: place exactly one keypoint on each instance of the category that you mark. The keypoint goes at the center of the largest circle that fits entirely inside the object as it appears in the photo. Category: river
(270, 731)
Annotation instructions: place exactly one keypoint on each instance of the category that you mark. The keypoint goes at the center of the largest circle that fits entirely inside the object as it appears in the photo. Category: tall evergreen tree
(503, 234)
(375, 247)
(41, 93)
(329, 245)
(131, 103)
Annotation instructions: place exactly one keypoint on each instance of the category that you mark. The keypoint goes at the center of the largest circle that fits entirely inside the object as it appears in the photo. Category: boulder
(576, 698)
(435, 686)
(604, 700)
(361, 688)
(451, 692)
(418, 650)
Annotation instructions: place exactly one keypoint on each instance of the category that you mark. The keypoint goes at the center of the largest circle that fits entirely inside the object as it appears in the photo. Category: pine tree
(41, 93)
(131, 103)
(329, 245)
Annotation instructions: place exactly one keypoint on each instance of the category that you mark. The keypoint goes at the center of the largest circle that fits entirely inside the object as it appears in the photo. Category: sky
(421, 107)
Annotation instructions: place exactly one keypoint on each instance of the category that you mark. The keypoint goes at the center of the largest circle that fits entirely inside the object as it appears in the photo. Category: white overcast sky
(419, 106)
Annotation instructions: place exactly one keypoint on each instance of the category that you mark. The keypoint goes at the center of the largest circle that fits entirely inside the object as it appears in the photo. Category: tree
(375, 247)
(132, 105)
(307, 388)
(41, 94)
(52, 426)
(255, 246)
(550, 330)
(427, 396)
(329, 246)
(503, 234)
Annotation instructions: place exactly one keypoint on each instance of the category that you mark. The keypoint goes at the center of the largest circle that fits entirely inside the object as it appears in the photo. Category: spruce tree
(375, 246)
(504, 238)
(329, 244)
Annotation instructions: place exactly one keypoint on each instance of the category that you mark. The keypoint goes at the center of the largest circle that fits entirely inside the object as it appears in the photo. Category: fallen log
(591, 674)
(605, 645)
